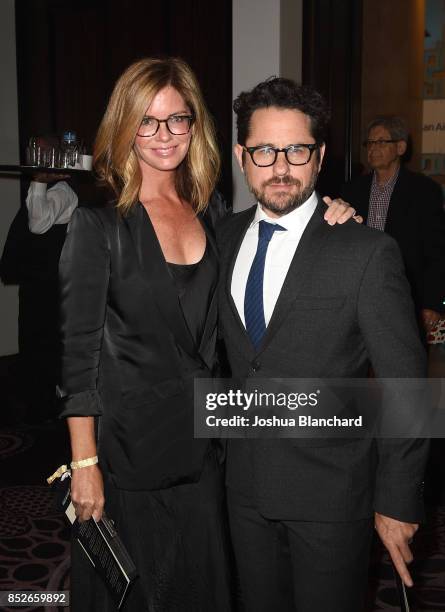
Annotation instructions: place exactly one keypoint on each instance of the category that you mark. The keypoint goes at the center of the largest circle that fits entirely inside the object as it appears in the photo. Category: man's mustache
(283, 180)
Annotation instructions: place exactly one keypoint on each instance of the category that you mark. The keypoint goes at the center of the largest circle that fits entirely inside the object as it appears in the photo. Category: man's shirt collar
(294, 219)
(389, 184)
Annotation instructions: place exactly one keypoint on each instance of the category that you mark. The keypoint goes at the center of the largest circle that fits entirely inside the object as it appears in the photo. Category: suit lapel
(211, 318)
(302, 264)
(237, 238)
(397, 209)
(157, 276)
(363, 205)
(208, 228)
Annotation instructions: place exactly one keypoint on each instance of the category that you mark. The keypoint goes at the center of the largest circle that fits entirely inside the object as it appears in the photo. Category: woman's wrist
(82, 463)
(83, 440)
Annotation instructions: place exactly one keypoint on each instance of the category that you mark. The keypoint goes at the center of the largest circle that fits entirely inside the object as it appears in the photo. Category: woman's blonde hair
(115, 160)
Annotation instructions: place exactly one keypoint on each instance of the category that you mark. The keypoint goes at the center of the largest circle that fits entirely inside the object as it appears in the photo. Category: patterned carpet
(34, 536)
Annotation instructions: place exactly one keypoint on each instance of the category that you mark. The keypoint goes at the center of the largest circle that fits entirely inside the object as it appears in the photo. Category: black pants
(297, 565)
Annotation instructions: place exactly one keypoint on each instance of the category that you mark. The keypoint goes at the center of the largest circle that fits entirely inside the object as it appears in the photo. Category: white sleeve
(47, 207)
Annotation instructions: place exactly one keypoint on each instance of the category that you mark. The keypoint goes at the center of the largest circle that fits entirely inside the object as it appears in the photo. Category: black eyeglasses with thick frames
(296, 154)
(381, 142)
(176, 124)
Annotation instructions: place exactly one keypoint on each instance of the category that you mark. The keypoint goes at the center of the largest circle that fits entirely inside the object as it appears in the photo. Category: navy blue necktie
(253, 298)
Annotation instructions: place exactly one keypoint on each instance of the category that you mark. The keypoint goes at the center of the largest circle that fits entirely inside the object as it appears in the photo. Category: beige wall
(267, 40)
(392, 64)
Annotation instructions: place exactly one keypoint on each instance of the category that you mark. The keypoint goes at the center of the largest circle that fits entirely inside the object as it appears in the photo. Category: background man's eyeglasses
(296, 155)
(176, 124)
(378, 143)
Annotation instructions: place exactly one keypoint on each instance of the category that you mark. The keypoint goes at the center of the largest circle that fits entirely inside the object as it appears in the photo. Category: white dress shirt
(48, 207)
(279, 255)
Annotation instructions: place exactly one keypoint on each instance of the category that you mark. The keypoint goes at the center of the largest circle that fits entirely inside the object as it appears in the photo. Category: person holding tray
(50, 200)
(138, 320)
(30, 259)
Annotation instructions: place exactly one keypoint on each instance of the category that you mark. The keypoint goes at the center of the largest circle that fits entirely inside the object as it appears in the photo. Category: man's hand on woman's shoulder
(339, 211)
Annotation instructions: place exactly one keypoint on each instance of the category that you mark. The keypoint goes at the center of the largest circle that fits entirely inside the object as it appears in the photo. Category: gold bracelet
(76, 465)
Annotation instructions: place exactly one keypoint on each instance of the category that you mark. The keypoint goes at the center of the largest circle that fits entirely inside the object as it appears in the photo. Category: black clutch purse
(99, 540)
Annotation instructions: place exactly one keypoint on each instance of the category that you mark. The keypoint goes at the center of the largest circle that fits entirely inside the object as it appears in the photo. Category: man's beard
(284, 202)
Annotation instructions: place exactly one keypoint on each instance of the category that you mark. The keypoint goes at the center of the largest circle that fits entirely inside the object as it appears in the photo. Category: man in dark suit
(301, 298)
(409, 207)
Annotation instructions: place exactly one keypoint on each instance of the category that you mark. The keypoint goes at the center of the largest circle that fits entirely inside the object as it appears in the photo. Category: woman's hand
(339, 211)
(87, 493)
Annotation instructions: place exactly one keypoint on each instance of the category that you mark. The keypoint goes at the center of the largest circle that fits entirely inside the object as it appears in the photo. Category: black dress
(176, 536)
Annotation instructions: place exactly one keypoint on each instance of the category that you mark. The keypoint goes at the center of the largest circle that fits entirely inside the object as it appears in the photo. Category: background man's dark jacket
(416, 220)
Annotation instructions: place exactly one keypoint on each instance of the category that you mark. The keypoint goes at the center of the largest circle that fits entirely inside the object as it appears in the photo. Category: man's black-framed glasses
(296, 154)
(381, 142)
(176, 124)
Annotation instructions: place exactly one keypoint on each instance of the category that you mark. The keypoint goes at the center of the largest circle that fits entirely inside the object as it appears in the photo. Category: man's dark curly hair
(286, 94)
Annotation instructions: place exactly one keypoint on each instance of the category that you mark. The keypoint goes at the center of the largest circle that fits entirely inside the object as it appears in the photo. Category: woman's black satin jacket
(128, 357)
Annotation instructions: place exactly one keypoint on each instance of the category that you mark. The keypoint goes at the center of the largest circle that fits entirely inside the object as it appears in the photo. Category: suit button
(256, 365)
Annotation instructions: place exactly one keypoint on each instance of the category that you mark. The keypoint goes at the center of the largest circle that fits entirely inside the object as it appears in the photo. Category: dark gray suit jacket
(345, 304)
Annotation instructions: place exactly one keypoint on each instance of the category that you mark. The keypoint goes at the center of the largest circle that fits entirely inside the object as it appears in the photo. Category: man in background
(407, 206)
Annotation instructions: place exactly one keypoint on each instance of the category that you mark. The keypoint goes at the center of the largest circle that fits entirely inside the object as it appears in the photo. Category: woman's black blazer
(128, 357)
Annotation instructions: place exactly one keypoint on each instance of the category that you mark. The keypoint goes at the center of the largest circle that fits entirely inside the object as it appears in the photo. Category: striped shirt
(379, 201)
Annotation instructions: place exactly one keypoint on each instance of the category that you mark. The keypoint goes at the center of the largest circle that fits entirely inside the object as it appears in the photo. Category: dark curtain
(332, 64)
(70, 53)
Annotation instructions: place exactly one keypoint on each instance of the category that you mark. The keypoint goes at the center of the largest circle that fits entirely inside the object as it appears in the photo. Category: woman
(139, 324)
(131, 348)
